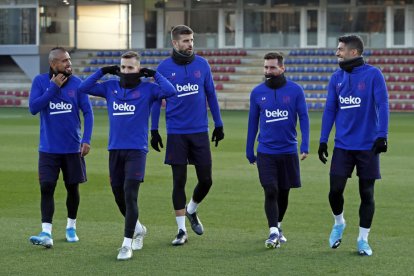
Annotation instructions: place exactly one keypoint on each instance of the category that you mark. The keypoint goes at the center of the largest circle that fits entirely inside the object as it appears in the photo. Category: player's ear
(174, 43)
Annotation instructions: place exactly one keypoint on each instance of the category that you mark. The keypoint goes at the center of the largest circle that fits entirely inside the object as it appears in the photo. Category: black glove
(155, 140)
(323, 152)
(148, 73)
(218, 135)
(380, 145)
(114, 69)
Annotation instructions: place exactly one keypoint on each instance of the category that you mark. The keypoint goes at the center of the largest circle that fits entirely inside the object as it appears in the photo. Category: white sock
(71, 223)
(47, 228)
(127, 242)
(274, 230)
(138, 227)
(181, 223)
(339, 219)
(363, 233)
(279, 224)
(192, 207)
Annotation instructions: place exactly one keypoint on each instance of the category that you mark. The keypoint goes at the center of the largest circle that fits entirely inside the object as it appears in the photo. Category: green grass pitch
(232, 214)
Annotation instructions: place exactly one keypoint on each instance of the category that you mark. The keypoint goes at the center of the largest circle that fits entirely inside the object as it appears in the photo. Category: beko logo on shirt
(126, 109)
(350, 102)
(61, 107)
(189, 88)
(276, 115)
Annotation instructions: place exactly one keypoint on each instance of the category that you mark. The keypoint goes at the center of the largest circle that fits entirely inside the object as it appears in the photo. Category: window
(213, 3)
(205, 26)
(18, 26)
(313, 3)
(271, 29)
(369, 23)
(383, 2)
(399, 27)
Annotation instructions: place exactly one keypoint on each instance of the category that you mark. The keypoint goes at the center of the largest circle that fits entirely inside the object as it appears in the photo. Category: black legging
(367, 207)
(366, 192)
(282, 202)
(179, 180)
(275, 205)
(47, 202)
(126, 198)
(336, 193)
(270, 205)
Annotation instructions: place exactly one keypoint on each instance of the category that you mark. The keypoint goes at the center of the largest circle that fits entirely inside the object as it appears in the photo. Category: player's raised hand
(113, 70)
(148, 73)
(59, 79)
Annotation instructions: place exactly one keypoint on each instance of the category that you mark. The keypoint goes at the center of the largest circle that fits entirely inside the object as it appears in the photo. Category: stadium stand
(14, 84)
(237, 71)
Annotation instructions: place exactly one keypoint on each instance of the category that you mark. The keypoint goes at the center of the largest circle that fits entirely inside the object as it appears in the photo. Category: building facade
(29, 28)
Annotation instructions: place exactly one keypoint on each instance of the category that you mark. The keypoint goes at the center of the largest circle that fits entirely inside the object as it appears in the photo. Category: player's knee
(131, 194)
(179, 176)
(47, 188)
(334, 193)
(118, 192)
(367, 195)
(179, 184)
(366, 190)
(270, 191)
(337, 184)
(72, 189)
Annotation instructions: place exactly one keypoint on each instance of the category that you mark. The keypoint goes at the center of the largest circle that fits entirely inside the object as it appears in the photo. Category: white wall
(102, 27)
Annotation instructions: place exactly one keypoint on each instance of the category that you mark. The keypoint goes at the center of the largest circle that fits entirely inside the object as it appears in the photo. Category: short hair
(275, 55)
(180, 30)
(353, 42)
(54, 51)
(131, 54)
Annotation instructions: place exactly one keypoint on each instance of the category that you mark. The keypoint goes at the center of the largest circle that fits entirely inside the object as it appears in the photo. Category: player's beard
(55, 72)
(181, 57)
(187, 52)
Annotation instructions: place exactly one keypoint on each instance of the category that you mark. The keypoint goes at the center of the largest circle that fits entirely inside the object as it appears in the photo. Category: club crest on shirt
(197, 74)
(338, 86)
(71, 93)
(136, 94)
(263, 99)
(361, 86)
(115, 92)
(172, 77)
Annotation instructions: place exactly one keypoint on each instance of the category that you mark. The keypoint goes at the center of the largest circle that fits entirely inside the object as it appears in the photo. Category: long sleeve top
(128, 109)
(186, 112)
(275, 112)
(357, 103)
(60, 123)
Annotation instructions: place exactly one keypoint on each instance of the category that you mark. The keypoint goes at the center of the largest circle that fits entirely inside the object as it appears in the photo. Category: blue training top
(128, 109)
(276, 111)
(187, 111)
(60, 124)
(358, 104)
